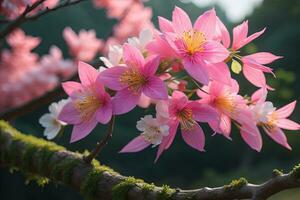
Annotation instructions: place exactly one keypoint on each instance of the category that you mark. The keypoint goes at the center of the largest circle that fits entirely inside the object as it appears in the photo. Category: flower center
(193, 41)
(87, 106)
(186, 120)
(224, 103)
(133, 79)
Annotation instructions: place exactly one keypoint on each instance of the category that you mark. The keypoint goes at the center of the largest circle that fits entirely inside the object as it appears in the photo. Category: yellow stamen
(186, 119)
(133, 79)
(194, 41)
(87, 106)
(224, 103)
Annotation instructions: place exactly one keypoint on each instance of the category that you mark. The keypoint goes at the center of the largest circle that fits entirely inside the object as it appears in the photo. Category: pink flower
(180, 111)
(153, 130)
(133, 80)
(83, 46)
(231, 106)
(253, 65)
(195, 45)
(89, 104)
(273, 120)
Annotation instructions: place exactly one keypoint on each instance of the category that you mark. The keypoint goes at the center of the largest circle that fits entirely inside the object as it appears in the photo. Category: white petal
(52, 131)
(46, 120)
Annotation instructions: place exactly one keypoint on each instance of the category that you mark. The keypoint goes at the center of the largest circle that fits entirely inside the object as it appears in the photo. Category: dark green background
(180, 166)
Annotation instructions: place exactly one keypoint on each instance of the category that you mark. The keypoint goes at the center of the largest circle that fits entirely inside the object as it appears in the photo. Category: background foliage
(180, 166)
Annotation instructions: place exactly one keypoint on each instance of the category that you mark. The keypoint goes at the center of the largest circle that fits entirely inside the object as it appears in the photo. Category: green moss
(166, 193)
(277, 172)
(296, 171)
(40, 181)
(64, 170)
(236, 184)
(121, 190)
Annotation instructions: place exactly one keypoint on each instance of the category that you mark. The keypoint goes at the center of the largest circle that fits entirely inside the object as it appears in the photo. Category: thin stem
(100, 145)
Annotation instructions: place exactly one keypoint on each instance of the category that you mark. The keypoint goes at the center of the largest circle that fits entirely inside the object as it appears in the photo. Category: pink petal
(87, 74)
(161, 47)
(71, 87)
(124, 101)
(111, 78)
(225, 125)
(151, 65)
(179, 99)
(104, 113)
(181, 21)
(278, 136)
(263, 57)
(165, 25)
(223, 33)
(259, 95)
(256, 77)
(206, 23)
(70, 114)
(214, 52)
(144, 101)
(286, 111)
(219, 72)
(155, 89)
(240, 33)
(168, 140)
(252, 63)
(288, 124)
(253, 37)
(82, 130)
(203, 113)
(251, 136)
(197, 71)
(135, 145)
(195, 137)
(132, 56)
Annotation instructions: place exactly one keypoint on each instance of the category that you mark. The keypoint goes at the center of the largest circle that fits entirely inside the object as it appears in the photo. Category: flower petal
(87, 73)
(214, 52)
(104, 114)
(263, 57)
(111, 78)
(155, 89)
(181, 21)
(70, 114)
(286, 110)
(203, 113)
(165, 25)
(254, 76)
(197, 71)
(71, 87)
(219, 72)
(51, 132)
(135, 145)
(151, 65)
(251, 136)
(288, 124)
(223, 33)
(278, 136)
(124, 101)
(206, 23)
(132, 56)
(240, 33)
(82, 130)
(195, 137)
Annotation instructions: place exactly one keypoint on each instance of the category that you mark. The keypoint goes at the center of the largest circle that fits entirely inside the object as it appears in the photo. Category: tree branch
(23, 17)
(95, 181)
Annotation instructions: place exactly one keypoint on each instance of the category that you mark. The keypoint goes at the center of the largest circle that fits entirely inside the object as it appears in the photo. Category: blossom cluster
(183, 70)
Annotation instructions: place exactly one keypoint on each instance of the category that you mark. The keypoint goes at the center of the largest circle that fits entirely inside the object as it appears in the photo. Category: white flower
(115, 54)
(50, 120)
(152, 130)
(262, 111)
(145, 37)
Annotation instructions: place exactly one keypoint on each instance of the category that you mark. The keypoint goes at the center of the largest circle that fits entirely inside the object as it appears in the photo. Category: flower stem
(100, 145)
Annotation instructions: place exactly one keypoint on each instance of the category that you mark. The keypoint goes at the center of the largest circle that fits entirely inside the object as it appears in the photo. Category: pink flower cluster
(183, 70)
(24, 76)
(13, 8)
(126, 11)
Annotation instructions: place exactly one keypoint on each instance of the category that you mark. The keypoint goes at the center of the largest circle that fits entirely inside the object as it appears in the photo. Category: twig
(28, 153)
(100, 145)
(23, 17)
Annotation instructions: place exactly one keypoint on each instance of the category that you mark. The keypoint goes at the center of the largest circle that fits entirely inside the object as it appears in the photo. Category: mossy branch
(51, 162)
